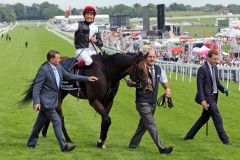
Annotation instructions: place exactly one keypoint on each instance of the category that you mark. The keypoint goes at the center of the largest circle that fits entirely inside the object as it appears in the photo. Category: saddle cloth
(68, 65)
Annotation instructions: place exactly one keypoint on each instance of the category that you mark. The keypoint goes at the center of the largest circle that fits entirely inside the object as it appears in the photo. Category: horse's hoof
(101, 144)
(104, 146)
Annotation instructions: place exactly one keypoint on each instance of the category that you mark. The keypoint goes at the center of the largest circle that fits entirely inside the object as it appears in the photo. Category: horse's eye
(139, 71)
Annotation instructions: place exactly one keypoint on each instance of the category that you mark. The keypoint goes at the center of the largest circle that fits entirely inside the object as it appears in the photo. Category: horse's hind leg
(45, 128)
(67, 138)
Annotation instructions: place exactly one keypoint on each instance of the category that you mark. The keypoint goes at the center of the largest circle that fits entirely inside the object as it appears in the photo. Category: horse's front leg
(104, 131)
(105, 124)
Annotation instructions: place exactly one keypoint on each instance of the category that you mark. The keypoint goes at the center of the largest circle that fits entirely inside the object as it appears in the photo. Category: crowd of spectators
(127, 43)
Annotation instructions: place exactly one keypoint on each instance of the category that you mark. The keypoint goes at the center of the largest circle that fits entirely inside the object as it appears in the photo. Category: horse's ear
(140, 55)
(145, 54)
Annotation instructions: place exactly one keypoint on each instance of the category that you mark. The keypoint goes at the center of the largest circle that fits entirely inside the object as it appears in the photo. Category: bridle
(137, 74)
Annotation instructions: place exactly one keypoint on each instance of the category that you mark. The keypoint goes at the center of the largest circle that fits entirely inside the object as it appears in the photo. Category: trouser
(217, 120)
(43, 115)
(85, 55)
(146, 123)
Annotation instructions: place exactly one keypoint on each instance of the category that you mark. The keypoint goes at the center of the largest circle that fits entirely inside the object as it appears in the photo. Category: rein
(165, 101)
(96, 49)
(73, 62)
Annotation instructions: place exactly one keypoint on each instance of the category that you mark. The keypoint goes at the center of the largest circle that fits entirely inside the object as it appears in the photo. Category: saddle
(69, 64)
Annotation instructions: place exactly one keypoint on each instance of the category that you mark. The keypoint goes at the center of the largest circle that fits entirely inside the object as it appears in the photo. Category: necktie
(56, 74)
(153, 76)
(214, 80)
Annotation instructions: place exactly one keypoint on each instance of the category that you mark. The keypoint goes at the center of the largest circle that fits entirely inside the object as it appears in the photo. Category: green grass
(19, 65)
(207, 27)
(203, 21)
(199, 31)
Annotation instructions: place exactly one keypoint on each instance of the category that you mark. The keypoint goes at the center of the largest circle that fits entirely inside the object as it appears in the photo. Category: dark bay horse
(110, 69)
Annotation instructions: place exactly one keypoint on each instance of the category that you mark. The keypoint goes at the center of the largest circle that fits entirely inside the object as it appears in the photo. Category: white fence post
(239, 80)
(222, 75)
(183, 71)
(228, 77)
(171, 69)
(190, 74)
(176, 71)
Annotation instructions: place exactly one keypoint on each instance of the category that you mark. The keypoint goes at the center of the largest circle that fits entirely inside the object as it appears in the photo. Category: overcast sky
(63, 4)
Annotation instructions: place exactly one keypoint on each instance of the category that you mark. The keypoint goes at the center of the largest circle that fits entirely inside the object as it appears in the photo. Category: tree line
(137, 9)
(45, 10)
(18, 11)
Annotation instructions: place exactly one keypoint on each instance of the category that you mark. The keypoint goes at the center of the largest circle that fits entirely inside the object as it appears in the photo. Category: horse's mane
(116, 58)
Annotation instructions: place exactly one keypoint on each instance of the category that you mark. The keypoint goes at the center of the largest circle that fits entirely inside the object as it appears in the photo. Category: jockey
(86, 35)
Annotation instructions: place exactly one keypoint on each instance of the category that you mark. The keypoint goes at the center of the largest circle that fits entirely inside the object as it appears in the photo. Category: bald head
(151, 57)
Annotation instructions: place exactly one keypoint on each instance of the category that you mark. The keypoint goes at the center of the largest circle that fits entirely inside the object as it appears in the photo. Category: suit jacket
(205, 84)
(45, 89)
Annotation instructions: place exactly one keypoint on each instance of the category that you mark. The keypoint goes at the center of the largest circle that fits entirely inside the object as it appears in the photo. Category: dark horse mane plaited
(110, 69)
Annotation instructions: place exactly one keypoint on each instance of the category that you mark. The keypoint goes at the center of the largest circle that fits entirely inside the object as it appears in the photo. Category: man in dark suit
(146, 105)
(46, 95)
(208, 85)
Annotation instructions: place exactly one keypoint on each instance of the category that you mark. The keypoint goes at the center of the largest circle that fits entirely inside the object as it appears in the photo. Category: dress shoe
(31, 146)
(187, 139)
(166, 150)
(132, 147)
(68, 148)
(227, 143)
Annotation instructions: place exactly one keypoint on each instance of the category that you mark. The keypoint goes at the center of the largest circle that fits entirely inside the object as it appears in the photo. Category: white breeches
(85, 54)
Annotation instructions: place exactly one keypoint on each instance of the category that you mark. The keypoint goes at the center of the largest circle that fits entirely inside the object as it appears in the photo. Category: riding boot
(80, 64)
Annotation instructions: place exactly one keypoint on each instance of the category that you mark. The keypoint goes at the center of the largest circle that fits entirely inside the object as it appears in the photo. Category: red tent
(177, 49)
(210, 46)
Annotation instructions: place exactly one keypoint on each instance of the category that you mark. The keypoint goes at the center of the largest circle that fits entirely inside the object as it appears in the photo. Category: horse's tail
(27, 94)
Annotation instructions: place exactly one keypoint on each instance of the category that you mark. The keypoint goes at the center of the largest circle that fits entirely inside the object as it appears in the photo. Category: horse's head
(139, 73)
(118, 65)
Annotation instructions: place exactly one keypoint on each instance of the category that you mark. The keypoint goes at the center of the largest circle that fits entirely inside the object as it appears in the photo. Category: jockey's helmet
(89, 9)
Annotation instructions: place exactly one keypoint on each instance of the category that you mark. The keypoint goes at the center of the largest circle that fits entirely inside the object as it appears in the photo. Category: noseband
(137, 75)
